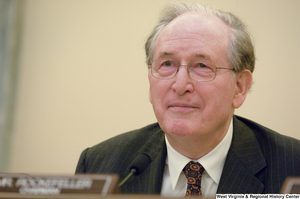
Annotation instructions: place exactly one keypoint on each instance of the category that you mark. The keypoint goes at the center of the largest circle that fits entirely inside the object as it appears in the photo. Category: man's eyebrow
(202, 56)
(166, 54)
(163, 54)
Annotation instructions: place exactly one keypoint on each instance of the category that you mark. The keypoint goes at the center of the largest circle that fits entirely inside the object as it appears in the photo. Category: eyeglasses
(198, 71)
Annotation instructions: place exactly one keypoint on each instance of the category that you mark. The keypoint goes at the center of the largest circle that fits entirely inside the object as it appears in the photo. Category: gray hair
(241, 51)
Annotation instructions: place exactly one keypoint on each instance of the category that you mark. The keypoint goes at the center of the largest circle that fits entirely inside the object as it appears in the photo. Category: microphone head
(140, 163)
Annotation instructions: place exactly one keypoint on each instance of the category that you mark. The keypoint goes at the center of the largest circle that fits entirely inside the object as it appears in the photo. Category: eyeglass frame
(187, 67)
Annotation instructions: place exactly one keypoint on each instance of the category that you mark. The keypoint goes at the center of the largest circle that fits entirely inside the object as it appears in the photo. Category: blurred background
(73, 74)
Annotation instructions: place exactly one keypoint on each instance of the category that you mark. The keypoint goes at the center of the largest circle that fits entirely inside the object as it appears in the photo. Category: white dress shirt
(174, 180)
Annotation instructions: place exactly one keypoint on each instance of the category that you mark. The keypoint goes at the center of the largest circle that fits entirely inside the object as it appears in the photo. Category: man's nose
(183, 83)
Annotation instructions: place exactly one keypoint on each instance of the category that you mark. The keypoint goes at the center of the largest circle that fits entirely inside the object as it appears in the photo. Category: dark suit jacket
(258, 160)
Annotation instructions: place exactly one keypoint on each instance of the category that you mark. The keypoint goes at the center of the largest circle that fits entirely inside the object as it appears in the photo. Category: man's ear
(243, 83)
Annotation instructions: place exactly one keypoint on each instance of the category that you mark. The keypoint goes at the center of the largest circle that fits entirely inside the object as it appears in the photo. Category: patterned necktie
(193, 172)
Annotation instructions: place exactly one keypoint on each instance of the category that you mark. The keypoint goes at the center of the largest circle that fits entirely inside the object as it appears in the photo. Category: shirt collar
(213, 162)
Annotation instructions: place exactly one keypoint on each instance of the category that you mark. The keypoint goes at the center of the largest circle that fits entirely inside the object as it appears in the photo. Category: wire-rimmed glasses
(198, 71)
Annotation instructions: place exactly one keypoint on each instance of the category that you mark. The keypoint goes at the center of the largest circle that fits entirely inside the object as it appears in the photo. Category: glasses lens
(164, 69)
(167, 69)
(201, 71)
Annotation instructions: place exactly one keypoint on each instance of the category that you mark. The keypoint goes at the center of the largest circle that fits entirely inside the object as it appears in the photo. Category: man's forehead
(198, 26)
(194, 21)
(205, 33)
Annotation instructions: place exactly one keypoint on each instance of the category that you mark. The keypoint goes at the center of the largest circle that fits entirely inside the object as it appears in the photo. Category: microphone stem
(127, 177)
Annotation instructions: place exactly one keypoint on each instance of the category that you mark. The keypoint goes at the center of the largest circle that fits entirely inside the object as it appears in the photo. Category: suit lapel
(156, 149)
(150, 181)
(243, 162)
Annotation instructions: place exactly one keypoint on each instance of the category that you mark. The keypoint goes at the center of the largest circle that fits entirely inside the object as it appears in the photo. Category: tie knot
(193, 172)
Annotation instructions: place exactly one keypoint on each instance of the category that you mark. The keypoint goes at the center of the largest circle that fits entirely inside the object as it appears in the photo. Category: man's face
(184, 106)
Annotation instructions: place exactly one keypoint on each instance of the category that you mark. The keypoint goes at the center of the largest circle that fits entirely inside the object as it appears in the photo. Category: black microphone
(138, 166)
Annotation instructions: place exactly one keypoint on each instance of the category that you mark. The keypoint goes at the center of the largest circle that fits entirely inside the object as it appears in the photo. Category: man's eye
(167, 63)
(201, 65)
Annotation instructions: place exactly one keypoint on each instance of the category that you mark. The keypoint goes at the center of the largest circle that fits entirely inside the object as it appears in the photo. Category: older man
(200, 64)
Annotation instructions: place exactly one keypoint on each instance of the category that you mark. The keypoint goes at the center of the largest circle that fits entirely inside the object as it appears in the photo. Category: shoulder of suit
(136, 138)
(269, 136)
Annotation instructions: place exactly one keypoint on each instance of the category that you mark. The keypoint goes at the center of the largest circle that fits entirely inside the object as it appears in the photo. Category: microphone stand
(132, 172)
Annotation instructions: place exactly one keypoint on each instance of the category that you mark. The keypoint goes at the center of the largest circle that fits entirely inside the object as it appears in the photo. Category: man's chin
(178, 129)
